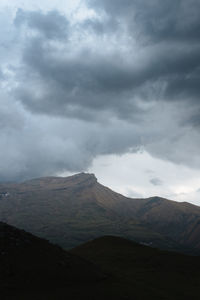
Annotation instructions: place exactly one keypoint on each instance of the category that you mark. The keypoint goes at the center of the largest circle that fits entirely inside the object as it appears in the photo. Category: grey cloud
(156, 21)
(11, 116)
(194, 119)
(2, 76)
(51, 25)
(101, 81)
(156, 181)
(98, 85)
(41, 146)
(99, 27)
(68, 86)
(76, 98)
(171, 30)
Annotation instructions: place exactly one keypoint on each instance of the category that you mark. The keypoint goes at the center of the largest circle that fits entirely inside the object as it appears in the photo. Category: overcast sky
(110, 87)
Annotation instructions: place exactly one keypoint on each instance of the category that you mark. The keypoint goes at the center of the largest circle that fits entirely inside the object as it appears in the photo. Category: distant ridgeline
(72, 210)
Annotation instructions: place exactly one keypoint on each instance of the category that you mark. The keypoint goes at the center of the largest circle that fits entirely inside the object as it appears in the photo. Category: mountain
(75, 209)
(29, 264)
(140, 272)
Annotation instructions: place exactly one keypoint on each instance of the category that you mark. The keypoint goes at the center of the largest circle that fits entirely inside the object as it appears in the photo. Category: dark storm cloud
(88, 82)
(69, 86)
(51, 25)
(52, 85)
(110, 84)
(98, 27)
(33, 146)
(172, 30)
(77, 85)
(155, 20)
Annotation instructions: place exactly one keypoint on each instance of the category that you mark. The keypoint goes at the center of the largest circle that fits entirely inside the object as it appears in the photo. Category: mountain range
(71, 210)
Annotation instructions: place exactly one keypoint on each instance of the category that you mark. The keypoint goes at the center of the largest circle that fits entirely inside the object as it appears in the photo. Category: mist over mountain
(75, 209)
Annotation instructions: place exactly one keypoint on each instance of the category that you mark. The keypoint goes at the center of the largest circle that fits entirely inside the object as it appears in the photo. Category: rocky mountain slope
(75, 209)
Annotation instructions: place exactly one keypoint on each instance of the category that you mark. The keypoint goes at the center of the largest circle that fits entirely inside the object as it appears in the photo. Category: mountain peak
(53, 181)
(85, 175)
(82, 178)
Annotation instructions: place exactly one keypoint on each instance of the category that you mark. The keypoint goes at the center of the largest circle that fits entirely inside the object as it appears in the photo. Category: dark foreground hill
(109, 268)
(72, 210)
(32, 266)
(140, 272)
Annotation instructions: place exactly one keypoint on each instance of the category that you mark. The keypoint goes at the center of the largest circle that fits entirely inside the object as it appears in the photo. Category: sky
(108, 87)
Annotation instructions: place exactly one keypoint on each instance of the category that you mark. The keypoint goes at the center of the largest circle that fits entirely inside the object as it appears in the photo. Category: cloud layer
(124, 79)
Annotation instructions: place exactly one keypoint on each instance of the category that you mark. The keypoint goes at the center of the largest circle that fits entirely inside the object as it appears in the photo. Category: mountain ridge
(143, 272)
(28, 261)
(71, 210)
(108, 267)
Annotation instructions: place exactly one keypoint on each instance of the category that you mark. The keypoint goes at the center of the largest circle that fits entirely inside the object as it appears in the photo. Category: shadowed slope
(141, 272)
(28, 261)
(32, 268)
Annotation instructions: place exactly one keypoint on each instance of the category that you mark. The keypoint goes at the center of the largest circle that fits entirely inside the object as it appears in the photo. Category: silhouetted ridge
(29, 261)
(142, 272)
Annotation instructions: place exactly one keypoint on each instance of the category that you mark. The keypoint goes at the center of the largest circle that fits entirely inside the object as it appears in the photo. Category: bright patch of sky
(75, 9)
(141, 175)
